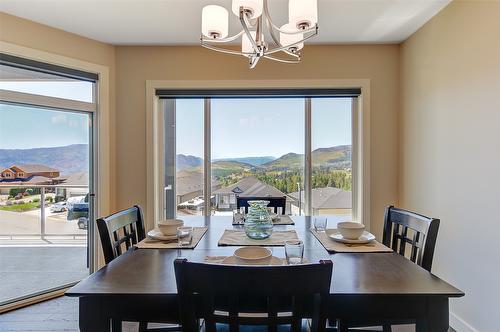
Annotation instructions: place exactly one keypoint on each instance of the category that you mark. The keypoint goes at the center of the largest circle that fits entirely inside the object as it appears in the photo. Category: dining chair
(404, 230)
(274, 202)
(119, 232)
(252, 295)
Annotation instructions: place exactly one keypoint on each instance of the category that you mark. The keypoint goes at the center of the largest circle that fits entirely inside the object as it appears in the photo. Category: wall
(450, 150)
(26, 33)
(135, 65)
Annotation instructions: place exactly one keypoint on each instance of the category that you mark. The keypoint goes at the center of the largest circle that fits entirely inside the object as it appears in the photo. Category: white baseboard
(459, 325)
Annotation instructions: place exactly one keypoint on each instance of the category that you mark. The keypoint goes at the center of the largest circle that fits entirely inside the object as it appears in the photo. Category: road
(24, 223)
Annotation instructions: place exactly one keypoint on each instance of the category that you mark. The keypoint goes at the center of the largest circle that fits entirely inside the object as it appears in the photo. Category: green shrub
(36, 200)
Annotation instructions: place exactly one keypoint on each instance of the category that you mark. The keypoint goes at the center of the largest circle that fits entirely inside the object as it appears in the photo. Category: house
(225, 198)
(28, 174)
(325, 201)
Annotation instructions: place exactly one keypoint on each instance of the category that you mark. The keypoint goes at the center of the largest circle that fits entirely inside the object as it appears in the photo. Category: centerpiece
(258, 223)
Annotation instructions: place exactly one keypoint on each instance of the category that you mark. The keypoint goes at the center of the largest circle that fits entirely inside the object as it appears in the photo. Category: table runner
(239, 238)
(147, 243)
(334, 246)
(283, 220)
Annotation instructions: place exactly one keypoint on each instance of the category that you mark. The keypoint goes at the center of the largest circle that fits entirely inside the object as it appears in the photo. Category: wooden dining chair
(274, 202)
(411, 235)
(119, 232)
(252, 295)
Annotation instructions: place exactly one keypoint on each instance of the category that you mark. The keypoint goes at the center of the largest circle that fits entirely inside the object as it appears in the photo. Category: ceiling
(178, 22)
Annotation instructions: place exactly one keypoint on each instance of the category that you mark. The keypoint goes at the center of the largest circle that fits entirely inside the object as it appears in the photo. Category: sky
(23, 127)
(261, 127)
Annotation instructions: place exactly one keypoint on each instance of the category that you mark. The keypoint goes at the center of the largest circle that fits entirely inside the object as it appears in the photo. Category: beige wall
(26, 33)
(135, 65)
(450, 150)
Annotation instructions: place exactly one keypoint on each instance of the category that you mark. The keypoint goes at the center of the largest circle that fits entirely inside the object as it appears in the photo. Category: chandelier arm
(224, 50)
(279, 49)
(271, 31)
(222, 40)
(282, 60)
(245, 24)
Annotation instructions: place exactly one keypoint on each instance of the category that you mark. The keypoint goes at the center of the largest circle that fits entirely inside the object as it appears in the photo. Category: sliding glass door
(219, 148)
(46, 181)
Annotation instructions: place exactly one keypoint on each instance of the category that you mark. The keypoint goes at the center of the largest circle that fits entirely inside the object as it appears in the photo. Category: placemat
(198, 233)
(233, 237)
(334, 246)
(283, 220)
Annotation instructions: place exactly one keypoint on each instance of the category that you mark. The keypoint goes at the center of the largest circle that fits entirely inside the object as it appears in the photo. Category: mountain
(68, 159)
(188, 161)
(255, 161)
(335, 157)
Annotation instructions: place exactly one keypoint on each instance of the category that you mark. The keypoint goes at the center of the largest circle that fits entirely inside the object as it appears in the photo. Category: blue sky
(24, 127)
(261, 127)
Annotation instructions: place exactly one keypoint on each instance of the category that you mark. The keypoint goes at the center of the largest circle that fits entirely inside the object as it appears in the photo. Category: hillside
(255, 161)
(335, 157)
(187, 161)
(68, 159)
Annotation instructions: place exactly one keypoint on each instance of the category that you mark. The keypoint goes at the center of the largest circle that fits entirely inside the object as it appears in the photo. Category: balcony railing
(25, 218)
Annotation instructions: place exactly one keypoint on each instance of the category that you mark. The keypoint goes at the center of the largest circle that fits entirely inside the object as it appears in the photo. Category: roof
(250, 187)
(75, 179)
(327, 198)
(188, 182)
(34, 168)
(30, 180)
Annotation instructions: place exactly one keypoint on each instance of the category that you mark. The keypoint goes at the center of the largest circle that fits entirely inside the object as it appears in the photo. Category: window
(46, 150)
(258, 146)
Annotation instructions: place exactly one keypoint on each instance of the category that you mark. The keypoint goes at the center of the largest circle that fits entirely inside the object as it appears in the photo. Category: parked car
(83, 222)
(58, 207)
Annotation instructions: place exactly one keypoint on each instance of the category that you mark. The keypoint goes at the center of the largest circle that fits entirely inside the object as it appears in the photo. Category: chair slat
(274, 202)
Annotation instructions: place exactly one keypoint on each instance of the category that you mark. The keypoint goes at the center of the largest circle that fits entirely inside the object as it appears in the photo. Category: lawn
(21, 207)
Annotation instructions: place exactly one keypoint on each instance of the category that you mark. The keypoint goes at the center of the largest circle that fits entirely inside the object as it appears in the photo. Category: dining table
(140, 284)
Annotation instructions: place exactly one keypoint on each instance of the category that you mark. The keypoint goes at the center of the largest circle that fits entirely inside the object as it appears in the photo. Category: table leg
(437, 316)
(92, 317)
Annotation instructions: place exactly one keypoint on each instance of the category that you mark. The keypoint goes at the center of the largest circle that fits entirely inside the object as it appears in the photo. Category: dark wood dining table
(140, 284)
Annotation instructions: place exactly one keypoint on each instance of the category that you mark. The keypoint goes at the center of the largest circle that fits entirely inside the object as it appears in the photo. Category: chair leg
(342, 326)
(116, 325)
(386, 327)
(143, 326)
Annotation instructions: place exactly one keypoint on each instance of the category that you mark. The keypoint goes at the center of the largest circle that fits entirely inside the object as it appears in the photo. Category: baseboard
(459, 325)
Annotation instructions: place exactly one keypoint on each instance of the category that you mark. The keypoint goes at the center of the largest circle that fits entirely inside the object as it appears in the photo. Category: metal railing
(43, 216)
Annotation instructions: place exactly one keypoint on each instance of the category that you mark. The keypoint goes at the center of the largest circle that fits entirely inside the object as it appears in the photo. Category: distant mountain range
(68, 159)
(333, 157)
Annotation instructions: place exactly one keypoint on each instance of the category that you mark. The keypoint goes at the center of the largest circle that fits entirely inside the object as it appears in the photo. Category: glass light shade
(246, 44)
(215, 21)
(253, 5)
(303, 12)
(286, 39)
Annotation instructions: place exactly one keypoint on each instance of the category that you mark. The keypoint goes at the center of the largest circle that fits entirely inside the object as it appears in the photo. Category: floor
(61, 314)
(29, 269)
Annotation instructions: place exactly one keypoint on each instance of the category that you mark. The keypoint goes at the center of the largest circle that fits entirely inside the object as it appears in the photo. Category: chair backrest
(125, 227)
(221, 293)
(422, 239)
(274, 202)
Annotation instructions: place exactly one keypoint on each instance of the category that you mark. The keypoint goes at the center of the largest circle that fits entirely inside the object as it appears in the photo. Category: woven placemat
(283, 220)
(233, 237)
(334, 246)
(198, 233)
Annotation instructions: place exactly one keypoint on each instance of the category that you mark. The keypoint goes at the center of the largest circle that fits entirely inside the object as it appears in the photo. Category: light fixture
(287, 40)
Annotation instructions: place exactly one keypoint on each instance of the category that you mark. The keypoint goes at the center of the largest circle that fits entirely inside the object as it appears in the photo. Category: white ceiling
(177, 22)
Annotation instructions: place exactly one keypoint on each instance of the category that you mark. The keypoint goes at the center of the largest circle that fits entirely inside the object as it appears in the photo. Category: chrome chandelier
(288, 39)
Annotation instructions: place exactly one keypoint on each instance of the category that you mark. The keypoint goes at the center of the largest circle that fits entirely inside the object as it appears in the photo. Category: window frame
(360, 140)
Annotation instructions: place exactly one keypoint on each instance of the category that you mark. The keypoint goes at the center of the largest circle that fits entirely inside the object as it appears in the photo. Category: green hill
(333, 157)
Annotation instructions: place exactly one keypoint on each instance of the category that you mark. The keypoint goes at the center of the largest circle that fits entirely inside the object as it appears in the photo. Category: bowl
(253, 254)
(169, 226)
(351, 230)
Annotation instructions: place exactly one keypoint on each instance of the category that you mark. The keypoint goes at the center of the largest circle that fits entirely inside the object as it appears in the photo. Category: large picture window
(217, 149)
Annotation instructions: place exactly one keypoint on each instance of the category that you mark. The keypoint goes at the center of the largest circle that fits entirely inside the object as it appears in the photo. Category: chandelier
(287, 40)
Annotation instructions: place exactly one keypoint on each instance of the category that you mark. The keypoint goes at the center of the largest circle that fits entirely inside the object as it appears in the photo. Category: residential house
(225, 198)
(325, 201)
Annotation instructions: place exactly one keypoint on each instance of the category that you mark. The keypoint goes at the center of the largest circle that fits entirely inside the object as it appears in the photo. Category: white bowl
(169, 226)
(253, 253)
(351, 230)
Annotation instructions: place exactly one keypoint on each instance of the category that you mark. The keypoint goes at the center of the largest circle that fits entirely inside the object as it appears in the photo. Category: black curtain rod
(257, 93)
